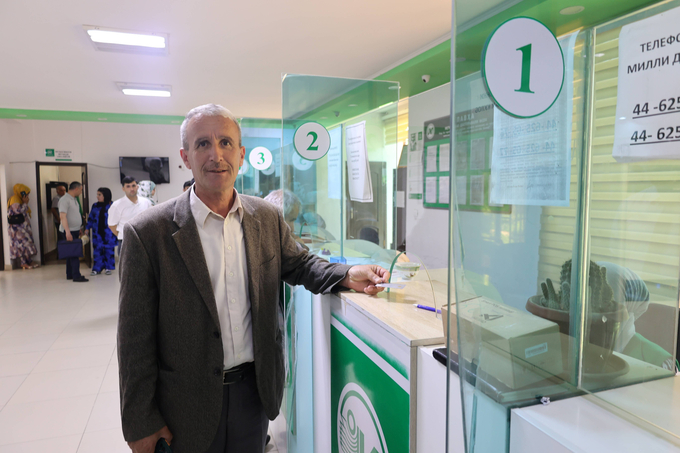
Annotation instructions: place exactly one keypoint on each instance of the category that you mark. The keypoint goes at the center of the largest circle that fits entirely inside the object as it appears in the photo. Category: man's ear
(185, 157)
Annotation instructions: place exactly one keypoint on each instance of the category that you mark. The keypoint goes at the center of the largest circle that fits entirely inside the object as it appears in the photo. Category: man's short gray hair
(206, 110)
(286, 201)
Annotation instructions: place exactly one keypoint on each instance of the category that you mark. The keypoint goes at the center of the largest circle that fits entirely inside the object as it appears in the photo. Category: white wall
(427, 230)
(23, 142)
(4, 196)
(501, 248)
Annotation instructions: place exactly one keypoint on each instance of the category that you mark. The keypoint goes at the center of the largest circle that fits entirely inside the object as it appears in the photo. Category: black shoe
(80, 279)
(69, 278)
(266, 442)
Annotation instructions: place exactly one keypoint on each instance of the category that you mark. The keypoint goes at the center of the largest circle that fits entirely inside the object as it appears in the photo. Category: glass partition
(634, 214)
(261, 170)
(565, 222)
(341, 167)
(338, 164)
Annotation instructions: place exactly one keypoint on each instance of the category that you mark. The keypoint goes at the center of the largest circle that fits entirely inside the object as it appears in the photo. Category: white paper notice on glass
(531, 157)
(359, 176)
(648, 99)
(444, 157)
(461, 189)
(444, 190)
(334, 157)
(431, 189)
(431, 166)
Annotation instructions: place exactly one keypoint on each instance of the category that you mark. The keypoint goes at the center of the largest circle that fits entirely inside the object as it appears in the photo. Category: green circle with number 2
(523, 67)
(311, 140)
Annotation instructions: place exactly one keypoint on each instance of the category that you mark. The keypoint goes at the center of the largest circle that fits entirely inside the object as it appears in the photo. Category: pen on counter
(426, 307)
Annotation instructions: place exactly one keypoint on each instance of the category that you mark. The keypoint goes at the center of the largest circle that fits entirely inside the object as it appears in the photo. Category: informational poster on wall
(415, 165)
(59, 155)
(359, 175)
(648, 99)
(369, 397)
(334, 157)
(531, 157)
(472, 148)
(436, 162)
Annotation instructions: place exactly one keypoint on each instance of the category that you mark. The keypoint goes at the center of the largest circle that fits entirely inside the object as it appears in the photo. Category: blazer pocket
(268, 260)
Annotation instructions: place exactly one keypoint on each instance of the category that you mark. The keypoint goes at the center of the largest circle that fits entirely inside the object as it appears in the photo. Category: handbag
(69, 249)
(15, 219)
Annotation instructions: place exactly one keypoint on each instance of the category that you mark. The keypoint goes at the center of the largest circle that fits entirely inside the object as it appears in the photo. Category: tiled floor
(58, 367)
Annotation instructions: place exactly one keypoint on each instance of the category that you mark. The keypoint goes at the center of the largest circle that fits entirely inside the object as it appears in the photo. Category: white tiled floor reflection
(58, 367)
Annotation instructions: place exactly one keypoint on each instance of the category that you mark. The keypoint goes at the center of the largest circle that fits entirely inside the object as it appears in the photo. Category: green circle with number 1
(523, 67)
(312, 141)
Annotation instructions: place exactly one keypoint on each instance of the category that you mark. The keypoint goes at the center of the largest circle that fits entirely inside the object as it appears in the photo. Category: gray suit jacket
(169, 345)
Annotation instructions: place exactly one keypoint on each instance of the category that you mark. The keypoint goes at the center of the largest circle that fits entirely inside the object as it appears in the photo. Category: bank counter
(375, 371)
(381, 379)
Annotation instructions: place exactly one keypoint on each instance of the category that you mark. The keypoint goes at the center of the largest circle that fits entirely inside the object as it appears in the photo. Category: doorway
(50, 175)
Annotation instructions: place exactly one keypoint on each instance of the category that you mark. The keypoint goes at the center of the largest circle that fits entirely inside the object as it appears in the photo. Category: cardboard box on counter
(514, 346)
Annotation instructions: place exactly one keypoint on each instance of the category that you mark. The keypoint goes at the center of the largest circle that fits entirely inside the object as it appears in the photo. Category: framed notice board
(472, 154)
(436, 163)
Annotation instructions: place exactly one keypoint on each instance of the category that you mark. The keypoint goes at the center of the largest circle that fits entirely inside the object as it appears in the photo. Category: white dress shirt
(123, 210)
(225, 254)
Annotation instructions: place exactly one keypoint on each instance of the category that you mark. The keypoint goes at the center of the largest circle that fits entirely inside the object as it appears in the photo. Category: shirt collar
(201, 211)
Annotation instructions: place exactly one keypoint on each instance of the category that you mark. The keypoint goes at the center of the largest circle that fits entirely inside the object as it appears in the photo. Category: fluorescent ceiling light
(136, 89)
(128, 41)
(135, 92)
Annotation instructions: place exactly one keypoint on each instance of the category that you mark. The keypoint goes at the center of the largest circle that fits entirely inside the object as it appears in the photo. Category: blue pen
(426, 307)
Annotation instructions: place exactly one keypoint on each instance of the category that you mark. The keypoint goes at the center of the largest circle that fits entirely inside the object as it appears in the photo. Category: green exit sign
(49, 153)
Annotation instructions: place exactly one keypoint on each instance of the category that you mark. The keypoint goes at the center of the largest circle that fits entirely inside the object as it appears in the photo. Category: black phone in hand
(162, 446)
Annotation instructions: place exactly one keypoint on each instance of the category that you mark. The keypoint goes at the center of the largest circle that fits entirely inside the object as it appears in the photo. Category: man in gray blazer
(200, 327)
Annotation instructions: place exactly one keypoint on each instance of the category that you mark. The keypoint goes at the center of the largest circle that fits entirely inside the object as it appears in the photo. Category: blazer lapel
(189, 245)
(251, 236)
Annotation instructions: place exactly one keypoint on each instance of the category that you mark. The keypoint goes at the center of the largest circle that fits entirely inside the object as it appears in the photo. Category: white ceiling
(226, 52)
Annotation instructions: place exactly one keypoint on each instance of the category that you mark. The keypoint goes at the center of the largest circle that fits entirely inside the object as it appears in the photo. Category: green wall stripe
(97, 117)
(401, 369)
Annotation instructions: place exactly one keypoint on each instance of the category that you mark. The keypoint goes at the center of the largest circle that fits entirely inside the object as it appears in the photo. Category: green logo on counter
(359, 429)
(49, 153)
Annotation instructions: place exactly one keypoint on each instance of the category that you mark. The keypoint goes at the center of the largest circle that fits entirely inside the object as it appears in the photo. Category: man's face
(130, 189)
(214, 156)
(61, 191)
(78, 191)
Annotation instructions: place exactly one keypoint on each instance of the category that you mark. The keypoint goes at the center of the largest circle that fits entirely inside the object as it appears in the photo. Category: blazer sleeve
(137, 347)
(301, 268)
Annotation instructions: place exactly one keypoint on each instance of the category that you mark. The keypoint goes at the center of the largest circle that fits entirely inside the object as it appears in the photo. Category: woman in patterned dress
(20, 233)
(103, 239)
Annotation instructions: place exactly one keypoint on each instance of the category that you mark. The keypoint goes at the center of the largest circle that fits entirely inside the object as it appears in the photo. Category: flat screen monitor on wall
(156, 169)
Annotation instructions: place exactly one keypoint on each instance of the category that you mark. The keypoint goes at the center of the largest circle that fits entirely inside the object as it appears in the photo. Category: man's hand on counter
(363, 278)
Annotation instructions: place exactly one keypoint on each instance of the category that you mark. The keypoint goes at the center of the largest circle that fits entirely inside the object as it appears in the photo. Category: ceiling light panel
(128, 41)
(137, 89)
